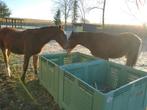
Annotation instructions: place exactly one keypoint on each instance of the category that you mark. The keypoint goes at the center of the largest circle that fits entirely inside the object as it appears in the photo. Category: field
(13, 96)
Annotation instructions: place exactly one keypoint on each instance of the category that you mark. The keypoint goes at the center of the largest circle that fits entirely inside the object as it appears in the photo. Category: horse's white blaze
(67, 33)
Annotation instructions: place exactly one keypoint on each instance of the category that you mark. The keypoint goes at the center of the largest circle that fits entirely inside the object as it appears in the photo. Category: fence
(22, 23)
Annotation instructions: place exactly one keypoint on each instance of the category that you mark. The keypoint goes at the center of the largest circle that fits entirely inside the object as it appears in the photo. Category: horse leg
(130, 60)
(25, 66)
(35, 62)
(6, 54)
(132, 56)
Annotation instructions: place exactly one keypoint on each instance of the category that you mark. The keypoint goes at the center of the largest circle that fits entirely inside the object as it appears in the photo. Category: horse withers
(104, 45)
(29, 43)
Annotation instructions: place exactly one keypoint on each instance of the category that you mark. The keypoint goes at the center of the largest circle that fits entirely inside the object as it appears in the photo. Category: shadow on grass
(13, 96)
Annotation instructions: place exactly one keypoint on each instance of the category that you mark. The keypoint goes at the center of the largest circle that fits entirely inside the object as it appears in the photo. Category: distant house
(91, 27)
(80, 27)
(109, 28)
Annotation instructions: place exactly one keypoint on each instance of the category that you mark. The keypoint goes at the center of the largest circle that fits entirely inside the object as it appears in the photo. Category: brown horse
(29, 43)
(107, 46)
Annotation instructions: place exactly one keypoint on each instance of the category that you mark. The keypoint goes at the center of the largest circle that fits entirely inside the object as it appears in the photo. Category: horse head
(71, 42)
(60, 36)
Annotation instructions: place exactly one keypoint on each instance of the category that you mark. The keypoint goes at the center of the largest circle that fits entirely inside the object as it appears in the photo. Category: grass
(12, 92)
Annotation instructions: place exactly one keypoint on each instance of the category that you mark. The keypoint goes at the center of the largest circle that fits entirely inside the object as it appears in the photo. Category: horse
(105, 45)
(29, 43)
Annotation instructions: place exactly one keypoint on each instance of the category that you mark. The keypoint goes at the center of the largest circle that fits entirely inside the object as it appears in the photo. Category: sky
(116, 11)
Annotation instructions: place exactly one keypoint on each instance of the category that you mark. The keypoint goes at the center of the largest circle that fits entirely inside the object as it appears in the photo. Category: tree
(75, 12)
(103, 15)
(83, 10)
(135, 9)
(85, 20)
(140, 3)
(101, 4)
(4, 10)
(65, 7)
(57, 18)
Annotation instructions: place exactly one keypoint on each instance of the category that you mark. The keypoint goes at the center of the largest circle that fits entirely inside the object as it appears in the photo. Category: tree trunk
(65, 16)
(65, 22)
(103, 16)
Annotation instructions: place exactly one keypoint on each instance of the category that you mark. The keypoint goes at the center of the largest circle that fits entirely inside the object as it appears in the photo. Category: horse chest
(17, 49)
(36, 50)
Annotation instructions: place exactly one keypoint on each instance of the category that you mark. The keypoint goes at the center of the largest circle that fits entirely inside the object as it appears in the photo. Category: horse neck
(80, 39)
(45, 36)
(56, 36)
(59, 41)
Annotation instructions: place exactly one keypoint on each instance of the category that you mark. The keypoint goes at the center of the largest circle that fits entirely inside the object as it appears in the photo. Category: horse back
(131, 40)
(106, 45)
(12, 40)
(89, 39)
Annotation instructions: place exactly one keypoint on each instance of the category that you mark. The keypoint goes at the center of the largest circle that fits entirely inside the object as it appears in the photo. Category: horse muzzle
(68, 51)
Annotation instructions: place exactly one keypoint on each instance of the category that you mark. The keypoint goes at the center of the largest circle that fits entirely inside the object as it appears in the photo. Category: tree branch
(91, 8)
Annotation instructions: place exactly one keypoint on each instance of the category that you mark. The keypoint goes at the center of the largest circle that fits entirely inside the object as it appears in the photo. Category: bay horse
(28, 43)
(104, 45)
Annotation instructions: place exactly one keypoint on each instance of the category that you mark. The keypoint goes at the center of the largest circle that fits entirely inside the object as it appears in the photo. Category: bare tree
(65, 6)
(140, 3)
(83, 8)
(134, 8)
(101, 4)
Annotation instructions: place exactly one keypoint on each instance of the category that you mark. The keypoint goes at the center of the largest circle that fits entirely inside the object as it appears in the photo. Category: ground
(13, 95)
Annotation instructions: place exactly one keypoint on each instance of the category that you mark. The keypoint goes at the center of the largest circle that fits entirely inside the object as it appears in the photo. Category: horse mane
(8, 28)
(5, 30)
(93, 34)
(46, 27)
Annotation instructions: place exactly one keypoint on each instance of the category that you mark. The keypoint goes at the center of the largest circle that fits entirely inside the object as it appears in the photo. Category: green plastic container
(102, 85)
(49, 67)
